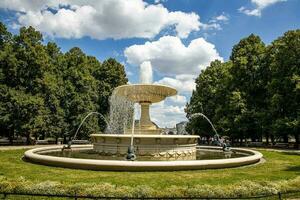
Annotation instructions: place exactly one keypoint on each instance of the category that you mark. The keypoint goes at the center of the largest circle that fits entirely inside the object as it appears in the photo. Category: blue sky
(177, 38)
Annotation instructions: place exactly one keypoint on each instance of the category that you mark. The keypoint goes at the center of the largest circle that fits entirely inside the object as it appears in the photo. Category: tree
(110, 75)
(209, 97)
(249, 78)
(23, 113)
(59, 89)
(260, 95)
(283, 60)
(53, 92)
(81, 92)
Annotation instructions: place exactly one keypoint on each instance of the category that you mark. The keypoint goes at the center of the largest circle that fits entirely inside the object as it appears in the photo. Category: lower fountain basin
(160, 147)
(38, 156)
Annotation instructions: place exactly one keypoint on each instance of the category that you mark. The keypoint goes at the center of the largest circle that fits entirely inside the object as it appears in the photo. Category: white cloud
(259, 6)
(178, 99)
(160, 1)
(170, 56)
(215, 23)
(220, 18)
(165, 115)
(184, 83)
(101, 19)
(211, 26)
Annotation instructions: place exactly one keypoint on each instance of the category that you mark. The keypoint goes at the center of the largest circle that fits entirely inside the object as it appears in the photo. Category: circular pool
(83, 157)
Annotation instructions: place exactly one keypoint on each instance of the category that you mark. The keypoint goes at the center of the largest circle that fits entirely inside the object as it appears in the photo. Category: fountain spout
(130, 153)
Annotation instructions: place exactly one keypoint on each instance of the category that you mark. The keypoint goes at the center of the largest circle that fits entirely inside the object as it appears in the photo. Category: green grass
(280, 168)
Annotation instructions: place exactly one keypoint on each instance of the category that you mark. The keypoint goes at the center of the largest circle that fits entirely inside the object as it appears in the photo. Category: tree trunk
(297, 138)
(272, 139)
(65, 139)
(267, 138)
(28, 139)
(285, 139)
(241, 141)
(11, 137)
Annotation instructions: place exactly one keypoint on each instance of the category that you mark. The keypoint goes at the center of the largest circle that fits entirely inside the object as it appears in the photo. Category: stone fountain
(155, 151)
(148, 139)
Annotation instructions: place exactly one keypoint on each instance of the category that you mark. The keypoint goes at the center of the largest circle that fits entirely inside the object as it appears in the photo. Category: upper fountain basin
(145, 92)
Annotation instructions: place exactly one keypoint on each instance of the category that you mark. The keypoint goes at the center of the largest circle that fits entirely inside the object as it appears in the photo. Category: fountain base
(159, 147)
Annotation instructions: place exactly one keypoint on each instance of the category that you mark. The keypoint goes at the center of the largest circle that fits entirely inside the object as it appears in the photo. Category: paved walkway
(280, 150)
(23, 147)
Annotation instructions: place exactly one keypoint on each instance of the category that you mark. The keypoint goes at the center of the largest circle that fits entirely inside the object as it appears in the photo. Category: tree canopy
(253, 95)
(46, 93)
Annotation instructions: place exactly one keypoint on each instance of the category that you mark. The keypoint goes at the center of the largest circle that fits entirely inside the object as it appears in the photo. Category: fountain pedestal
(145, 121)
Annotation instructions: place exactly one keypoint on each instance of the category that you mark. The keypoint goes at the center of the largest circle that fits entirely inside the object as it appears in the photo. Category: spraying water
(120, 114)
(132, 130)
(204, 116)
(89, 114)
(146, 72)
(225, 147)
(130, 152)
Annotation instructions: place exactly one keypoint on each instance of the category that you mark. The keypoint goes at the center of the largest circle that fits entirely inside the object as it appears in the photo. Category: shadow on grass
(293, 169)
(292, 153)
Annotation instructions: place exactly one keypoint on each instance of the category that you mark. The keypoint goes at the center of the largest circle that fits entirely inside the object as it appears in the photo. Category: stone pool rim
(123, 165)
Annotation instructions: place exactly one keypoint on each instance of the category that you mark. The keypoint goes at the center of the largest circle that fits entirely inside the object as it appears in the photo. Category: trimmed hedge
(242, 189)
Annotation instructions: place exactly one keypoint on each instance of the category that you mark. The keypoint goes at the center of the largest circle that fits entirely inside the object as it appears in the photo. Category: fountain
(148, 139)
(140, 147)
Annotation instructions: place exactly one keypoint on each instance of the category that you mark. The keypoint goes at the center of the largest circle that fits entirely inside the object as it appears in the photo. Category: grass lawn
(280, 172)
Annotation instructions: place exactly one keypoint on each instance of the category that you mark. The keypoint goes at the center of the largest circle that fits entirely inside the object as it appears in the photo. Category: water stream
(89, 114)
(120, 114)
(205, 117)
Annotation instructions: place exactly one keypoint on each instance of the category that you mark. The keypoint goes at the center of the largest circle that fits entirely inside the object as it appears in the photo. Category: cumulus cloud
(178, 100)
(215, 23)
(220, 18)
(184, 83)
(166, 115)
(101, 19)
(211, 26)
(259, 6)
(170, 56)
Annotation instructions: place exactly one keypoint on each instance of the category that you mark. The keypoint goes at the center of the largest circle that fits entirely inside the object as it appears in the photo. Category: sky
(175, 39)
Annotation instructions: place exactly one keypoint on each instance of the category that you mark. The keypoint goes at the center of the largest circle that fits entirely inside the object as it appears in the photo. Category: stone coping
(144, 136)
(123, 165)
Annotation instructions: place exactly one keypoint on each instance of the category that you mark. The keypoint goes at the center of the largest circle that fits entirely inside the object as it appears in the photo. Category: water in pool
(90, 154)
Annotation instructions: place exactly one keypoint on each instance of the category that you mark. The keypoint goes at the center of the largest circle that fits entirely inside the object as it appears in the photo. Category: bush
(242, 189)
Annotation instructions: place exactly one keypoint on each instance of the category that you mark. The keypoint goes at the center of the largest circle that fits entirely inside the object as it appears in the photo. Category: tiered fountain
(146, 138)
(155, 151)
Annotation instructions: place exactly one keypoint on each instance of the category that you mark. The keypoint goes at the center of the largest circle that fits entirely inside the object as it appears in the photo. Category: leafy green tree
(54, 90)
(5, 50)
(23, 62)
(23, 113)
(283, 60)
(248, 76)
(209, 97)
(81, 92)
(110, 75)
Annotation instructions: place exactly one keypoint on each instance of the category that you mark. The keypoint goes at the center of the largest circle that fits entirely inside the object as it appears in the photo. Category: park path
(23, 147)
